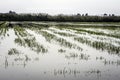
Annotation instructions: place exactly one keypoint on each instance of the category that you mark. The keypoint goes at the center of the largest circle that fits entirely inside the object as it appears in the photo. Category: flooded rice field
(34, 51)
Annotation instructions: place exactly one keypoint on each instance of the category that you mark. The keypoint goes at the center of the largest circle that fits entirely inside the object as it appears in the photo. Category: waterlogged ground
(36, 51)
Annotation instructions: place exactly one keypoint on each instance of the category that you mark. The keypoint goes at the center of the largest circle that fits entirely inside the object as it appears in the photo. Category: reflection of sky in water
(54, 53)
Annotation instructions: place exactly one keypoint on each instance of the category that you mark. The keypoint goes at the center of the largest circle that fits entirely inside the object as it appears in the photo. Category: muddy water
(37, 52)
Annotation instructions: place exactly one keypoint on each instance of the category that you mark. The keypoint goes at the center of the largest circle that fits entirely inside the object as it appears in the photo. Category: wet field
(66, 51)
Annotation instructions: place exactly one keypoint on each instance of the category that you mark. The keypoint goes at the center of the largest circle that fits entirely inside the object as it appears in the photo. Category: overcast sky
(61, 6)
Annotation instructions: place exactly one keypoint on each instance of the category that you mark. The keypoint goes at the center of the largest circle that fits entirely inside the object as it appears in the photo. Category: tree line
(13, 16)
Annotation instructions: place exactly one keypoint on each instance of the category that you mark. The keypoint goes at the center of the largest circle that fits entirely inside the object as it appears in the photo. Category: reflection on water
(80, 56)
(72, 53)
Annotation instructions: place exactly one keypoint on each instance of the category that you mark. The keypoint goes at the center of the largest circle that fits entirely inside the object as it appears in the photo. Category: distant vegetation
(13, 16)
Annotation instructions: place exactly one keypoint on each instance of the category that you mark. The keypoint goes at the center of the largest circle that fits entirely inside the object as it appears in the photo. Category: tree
(86, 14)
(12, 12)
(105, 14)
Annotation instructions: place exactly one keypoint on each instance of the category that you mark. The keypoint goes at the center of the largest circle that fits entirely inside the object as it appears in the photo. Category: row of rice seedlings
(1, 23)
(62, 30)
(101, 25)
(62, 33)
(35, 26)
(95, 33)
(99, 45)
(107, 31)
(27, 40)
(107, 39)
(21, 31)
(65, 42)
(3, 30)
(30, 43)
(100, 33)
(50, 37)
(94, 37)
(102, 38)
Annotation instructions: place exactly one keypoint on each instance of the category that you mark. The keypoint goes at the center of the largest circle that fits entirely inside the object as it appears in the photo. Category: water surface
(39, 51)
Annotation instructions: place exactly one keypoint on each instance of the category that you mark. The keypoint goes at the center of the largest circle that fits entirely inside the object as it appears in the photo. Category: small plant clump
(13, 51)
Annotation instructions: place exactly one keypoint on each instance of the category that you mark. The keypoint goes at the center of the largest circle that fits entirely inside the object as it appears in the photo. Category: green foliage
(12, 16)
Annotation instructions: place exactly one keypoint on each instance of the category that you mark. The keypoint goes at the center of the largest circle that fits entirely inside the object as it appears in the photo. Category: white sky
(61, 6)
